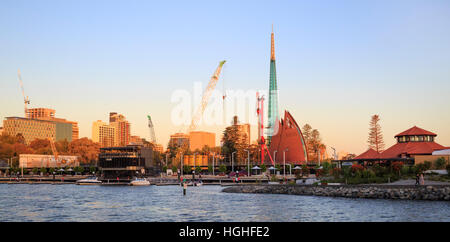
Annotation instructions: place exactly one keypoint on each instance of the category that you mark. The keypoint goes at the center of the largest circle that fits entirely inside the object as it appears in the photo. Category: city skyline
(392, 62)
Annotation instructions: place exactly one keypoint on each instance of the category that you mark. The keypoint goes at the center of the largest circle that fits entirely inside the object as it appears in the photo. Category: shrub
(368, 174)
(397, 166)
(43, 170)
(440, 162)
(305, 170)
(427, 164)
(210, 169)
(420, 168)
(164, 168)
(336, 172)
(174, 169)
(326, 168)
(198, 170)
(222, 168)
(405, 170)
(35, 171)
(263, 168)
(319, 173)
(273, 178)
(357, 167)
(187, 169)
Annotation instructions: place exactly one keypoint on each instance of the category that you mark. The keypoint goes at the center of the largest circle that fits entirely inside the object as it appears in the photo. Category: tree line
(84, 148)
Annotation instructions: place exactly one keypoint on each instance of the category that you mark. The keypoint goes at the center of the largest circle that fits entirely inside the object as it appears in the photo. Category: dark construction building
(126, 161)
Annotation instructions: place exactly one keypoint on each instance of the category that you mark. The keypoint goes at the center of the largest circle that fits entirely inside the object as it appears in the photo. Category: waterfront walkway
(413, 182)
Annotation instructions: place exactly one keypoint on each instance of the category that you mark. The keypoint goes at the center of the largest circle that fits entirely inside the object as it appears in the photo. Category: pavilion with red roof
(410, 143)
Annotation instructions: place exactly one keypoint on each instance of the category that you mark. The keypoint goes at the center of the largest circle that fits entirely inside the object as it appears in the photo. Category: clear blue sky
(338, 62)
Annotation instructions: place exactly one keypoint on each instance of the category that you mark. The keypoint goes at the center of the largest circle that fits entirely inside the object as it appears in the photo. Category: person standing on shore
(417, 179)
(421, 179)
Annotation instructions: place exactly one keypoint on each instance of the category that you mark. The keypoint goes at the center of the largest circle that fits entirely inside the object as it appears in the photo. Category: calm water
(167, 203)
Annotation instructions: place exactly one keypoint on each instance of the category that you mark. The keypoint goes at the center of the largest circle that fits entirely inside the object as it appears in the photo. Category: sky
(338, 62)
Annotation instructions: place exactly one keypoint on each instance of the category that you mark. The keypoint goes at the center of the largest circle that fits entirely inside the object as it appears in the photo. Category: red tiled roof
(369, 154)
(411, 148)
(416, 131)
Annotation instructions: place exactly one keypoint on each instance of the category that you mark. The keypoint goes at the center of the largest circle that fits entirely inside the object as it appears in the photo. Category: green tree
(210, 169)
(198, 170)
(43, 170)
(92, 169)
(440, 163)
(375, 135)
(263, 168)
(222, 168)
(187, 169)
(174, 169)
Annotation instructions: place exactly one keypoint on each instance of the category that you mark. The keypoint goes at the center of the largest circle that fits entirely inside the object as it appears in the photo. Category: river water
(46, 202)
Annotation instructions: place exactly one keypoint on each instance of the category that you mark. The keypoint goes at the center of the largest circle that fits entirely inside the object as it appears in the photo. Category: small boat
(140, 182)
(195, 183)
(92, 180)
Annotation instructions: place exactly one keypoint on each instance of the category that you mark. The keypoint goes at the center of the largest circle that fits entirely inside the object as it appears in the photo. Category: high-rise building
(243, 129)
(123, 132)
(38, 113)
(49, 114)
(273, 115)
(199, 139)
(32, 129)
(179, 139)
(103, 133)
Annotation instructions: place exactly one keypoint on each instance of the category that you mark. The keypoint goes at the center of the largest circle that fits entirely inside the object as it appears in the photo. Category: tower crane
(54, 151)
(206, 96)
(262, 141)
(152, 130)
(204, 102)
(26, 100)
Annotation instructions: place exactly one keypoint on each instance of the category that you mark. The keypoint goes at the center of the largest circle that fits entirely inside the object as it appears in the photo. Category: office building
(103, 133)
(199, 139)
(32, 129)
(122, 126)
(126, 162)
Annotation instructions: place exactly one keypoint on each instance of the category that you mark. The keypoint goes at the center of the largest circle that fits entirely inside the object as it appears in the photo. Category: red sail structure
(289, 140)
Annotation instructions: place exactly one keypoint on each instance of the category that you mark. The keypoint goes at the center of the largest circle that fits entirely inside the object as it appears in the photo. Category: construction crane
(201, 108)
(262, 141)
(152, 130)
(26, 100)
(206, 96)
(54, 151)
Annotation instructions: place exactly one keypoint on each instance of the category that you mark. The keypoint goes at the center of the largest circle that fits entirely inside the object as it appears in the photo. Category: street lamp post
(214, 155)
(182, 168)
(166, 158)
(194, 159)
(284, 162)
(274, 161)
(248, 163)
(232, 161)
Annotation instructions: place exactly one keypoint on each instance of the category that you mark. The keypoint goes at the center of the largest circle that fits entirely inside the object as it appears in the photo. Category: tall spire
(272, 46)
(273, 94)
